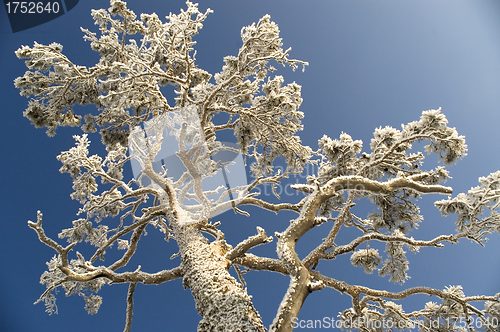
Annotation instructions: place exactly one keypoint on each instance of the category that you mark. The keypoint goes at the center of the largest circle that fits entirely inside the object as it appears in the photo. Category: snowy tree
(139, 60)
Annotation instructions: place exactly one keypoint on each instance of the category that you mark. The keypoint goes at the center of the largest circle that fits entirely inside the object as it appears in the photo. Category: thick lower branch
(300, 279)
(298, 289)
(134, 239)
(136, 276)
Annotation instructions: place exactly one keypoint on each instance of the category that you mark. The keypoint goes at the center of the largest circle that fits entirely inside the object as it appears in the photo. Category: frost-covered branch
(457, 305)
(342, 170)
(130, 306)
(149, 215)
(474, 222)
(132, 246)
(249, 243)
(62, 251)
(360, 183)
(254, 262)
(269, 206)
(350, 247)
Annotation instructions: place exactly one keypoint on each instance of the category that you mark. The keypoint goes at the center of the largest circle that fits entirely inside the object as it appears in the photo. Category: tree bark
(220, 298)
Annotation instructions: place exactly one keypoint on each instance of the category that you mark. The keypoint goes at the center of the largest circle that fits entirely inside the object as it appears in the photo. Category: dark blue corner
(28, 14)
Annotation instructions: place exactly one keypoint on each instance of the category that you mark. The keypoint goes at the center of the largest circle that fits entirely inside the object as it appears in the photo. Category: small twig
(240, 276)
(130, 306)
(239, 211)
(249, 243)
(63, 252)
(134, 239)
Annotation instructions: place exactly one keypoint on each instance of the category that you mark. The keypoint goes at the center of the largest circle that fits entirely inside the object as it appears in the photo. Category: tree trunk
(220, 298)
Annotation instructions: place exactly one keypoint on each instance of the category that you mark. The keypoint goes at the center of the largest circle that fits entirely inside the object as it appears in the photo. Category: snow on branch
(454, 306)
(249, 243)
(76, 275)
(363, 184)
(390, 156)
(477, 211)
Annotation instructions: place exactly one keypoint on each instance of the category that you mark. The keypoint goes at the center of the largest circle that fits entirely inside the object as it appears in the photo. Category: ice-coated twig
(249, 243)
(62, 251)
(130, 306)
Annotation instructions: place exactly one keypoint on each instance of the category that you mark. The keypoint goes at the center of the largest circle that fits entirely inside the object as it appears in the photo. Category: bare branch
(269, 206)
(261, 263)
(130, 306)
(249, 243)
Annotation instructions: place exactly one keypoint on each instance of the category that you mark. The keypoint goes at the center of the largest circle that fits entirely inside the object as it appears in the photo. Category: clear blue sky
(372, 63)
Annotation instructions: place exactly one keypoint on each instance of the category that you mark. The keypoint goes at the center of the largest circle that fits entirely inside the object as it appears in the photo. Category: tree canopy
(139, 60)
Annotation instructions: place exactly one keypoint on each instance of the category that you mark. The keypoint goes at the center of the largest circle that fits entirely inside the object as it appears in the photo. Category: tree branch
(269, 206)
(388, 238)
(249, 243)
(261, 263)
(134, 239)
(117, 278)
(63, 252)
(130, 306)
(343, 287)
(149, 215)
(361, 183)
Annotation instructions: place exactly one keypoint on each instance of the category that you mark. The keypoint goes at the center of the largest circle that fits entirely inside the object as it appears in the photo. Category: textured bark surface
(220, 299)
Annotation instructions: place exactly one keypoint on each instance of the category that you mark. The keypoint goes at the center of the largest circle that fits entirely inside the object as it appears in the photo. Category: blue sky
(372, 63)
